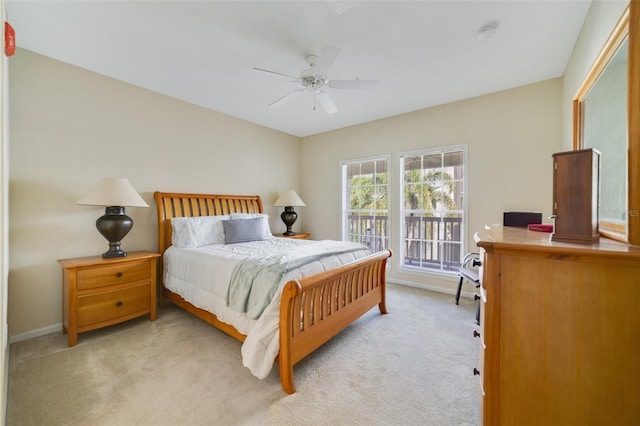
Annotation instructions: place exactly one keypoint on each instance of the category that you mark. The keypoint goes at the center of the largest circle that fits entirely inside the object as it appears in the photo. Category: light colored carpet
(412, 366)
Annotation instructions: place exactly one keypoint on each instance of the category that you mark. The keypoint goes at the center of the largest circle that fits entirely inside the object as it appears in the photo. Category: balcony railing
(433, 243)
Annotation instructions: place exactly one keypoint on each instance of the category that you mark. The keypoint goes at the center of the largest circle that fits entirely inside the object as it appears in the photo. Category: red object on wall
(9, 39)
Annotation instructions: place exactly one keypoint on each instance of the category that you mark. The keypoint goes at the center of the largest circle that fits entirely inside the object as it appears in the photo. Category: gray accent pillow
(253, 216)
(243, 230)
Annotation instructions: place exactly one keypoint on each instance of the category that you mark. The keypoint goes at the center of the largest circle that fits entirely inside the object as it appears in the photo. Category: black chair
(469, 270)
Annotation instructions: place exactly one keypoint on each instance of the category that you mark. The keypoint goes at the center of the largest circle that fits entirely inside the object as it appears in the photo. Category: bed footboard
(316, 308)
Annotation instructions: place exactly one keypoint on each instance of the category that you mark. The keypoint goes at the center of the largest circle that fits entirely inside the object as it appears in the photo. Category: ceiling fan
(314, 80)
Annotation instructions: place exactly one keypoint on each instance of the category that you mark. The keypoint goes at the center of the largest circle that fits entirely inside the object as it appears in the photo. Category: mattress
(201, 276)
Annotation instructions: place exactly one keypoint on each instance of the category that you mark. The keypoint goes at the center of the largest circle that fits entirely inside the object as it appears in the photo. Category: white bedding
(201, 276)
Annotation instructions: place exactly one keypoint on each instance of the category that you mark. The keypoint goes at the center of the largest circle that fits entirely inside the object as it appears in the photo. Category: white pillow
(197, 231)
(267, 230)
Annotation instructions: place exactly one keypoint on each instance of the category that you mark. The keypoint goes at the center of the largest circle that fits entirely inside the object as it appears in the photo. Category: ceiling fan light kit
(314, 80)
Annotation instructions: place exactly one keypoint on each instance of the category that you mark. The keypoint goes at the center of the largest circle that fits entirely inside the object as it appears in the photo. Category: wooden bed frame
(312, 310)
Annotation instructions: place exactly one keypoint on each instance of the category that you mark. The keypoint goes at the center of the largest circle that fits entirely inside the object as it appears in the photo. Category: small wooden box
(576, 180)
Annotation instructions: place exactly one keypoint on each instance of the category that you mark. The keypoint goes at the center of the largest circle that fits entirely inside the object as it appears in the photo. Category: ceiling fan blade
(327, 57)
(277, 73)
(285, 98)
(326, 103)
(355, 84)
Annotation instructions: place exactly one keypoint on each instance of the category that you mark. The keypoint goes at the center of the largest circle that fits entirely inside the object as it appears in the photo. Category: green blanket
(254, 282)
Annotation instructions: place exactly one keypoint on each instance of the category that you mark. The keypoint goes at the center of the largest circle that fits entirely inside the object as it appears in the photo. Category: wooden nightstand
(98, 292)
(297, 236)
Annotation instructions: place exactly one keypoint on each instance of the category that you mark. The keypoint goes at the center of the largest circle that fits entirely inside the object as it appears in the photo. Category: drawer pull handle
(476, 296)
(476, 333)
(119, 274)
(119, 303)
(476, 372)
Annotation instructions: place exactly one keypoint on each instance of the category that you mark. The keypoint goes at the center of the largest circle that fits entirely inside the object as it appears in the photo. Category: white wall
(510, 135)
(71, 127)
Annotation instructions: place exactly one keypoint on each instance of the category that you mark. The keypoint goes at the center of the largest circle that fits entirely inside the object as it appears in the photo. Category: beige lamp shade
(289, 198)
(113, 191)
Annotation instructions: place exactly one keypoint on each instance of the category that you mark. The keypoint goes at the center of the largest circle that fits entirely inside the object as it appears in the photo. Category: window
(432, 194)
(365, 202)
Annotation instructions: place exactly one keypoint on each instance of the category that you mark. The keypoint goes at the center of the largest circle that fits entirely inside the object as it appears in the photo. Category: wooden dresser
(99, 292)
(560, 330)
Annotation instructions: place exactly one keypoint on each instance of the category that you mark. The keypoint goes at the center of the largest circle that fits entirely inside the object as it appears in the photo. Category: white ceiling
(425, 53)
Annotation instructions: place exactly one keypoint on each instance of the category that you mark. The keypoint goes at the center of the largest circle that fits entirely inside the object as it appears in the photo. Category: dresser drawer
(481, 348)
(481, 255)
(105, 276)
(109, 305)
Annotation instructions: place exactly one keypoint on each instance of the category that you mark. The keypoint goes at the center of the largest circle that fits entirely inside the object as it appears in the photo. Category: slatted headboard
(170, 205)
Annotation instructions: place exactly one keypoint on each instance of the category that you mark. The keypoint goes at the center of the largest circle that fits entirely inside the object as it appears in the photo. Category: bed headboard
(170, 205)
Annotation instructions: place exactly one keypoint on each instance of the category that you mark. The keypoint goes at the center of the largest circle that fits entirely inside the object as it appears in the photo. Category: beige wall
(510, 136)
(4, 231)
(71, 127)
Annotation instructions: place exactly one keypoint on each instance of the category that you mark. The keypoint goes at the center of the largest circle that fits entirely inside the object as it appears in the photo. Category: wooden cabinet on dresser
(99, 292)
(560, 330)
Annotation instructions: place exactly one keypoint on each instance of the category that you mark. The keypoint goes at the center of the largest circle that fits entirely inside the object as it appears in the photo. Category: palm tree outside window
(365, 205)
(431, 218)
(432, 208)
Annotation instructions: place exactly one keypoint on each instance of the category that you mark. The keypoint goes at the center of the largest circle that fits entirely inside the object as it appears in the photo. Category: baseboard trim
(438, 289)
(55, 328)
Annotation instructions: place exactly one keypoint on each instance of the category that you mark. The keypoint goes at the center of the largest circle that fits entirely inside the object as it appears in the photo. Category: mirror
(605, 128)
(602, 119)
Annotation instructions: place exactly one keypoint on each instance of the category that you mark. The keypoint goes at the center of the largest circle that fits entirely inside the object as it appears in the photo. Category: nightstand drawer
(105, 276)
(105, 306)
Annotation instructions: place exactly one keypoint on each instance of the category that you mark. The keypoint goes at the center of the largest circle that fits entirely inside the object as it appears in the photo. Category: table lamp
(288, 200)
(115, 194)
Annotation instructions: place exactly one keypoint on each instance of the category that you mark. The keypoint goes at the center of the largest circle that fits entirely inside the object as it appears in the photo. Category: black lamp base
(114, 251)
(289, 217)
(114, 225)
